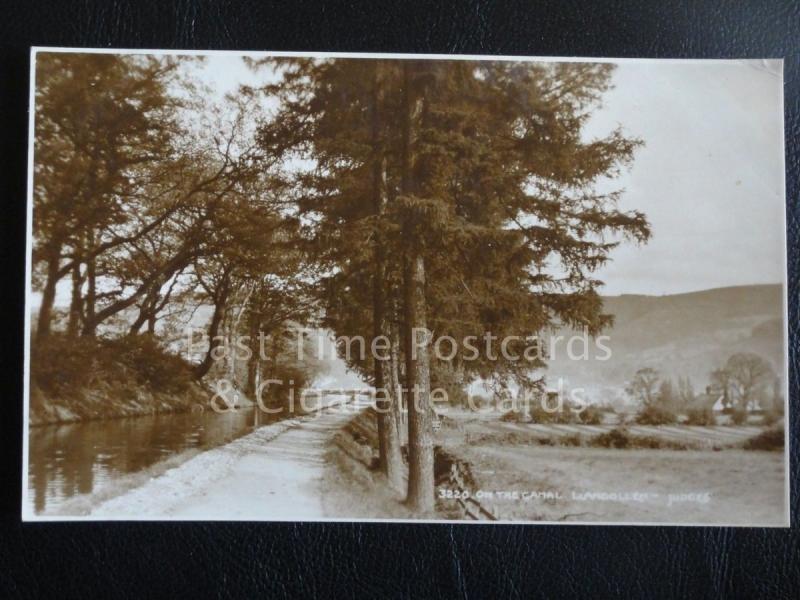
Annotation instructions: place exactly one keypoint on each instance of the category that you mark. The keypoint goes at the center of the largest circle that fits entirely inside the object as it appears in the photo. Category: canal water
(82, 458)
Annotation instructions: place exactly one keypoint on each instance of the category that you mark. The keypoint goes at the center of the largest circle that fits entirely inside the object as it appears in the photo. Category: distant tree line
(745, 383)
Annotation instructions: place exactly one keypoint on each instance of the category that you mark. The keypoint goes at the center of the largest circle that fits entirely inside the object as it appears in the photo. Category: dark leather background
(350, 560)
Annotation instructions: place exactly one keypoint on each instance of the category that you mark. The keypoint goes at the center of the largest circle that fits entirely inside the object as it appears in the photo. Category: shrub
(770, 417)
(570, 440)
(616, 438)
(591, 415)
(479, 401)
(60, 366)
(63, 366)
(619, 437)
(770, 440)
(739, 417)
(451, 383)
(655, 414)
(511, 416)
(701, 416)
(562, 414)
(151, 365)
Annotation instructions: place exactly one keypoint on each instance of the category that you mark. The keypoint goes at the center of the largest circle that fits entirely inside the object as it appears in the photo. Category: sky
(709, 177)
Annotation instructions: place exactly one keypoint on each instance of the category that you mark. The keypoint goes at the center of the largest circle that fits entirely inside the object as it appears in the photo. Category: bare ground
(273, 474)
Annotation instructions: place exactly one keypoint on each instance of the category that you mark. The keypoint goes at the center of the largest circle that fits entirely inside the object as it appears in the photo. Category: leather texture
(376, 560)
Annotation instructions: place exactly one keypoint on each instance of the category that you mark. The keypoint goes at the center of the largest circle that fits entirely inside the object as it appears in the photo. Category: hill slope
(681, 335)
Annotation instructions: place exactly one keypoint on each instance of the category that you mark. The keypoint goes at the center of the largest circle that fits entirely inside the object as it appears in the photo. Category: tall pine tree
(463, 197)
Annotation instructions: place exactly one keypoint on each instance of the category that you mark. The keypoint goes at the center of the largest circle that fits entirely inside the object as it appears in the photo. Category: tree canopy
(378, 198)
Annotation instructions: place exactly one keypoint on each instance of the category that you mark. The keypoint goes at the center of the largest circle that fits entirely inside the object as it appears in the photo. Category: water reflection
(79, 458)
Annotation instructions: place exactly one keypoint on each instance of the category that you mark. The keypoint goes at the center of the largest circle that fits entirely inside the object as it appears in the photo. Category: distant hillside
(681, 335)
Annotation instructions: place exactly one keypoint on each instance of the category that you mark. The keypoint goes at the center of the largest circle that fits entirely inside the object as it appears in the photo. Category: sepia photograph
(385, 287)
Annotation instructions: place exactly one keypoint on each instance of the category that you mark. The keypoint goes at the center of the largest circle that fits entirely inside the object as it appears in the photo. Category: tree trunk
(76, 303)
(146, 311)
(388, 421)
(420, 435)
(252, 365)
(388, 441)
(393, 418)
(204, 367)
(48, 299)
(94, 317)
(257, 393)
(378, 271)
(90, 321)
(396, 382)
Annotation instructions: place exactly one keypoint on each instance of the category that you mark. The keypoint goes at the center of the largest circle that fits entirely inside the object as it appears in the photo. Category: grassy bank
(79, 379)
(353, 477)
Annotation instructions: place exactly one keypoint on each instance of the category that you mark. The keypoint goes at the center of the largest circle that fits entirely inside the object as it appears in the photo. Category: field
(697, 437)
(550, 473)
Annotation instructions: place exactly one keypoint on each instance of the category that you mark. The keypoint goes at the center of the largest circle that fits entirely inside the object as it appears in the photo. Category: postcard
(407, 288)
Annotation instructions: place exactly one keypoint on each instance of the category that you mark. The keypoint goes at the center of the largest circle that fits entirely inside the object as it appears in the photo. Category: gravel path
(272, 474)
